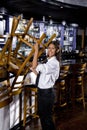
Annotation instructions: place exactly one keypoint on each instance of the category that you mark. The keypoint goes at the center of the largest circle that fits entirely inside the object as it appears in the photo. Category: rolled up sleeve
(48, 68)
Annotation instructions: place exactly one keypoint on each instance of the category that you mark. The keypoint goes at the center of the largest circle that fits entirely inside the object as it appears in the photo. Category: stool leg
(36, 103)
(25, 105)
(72, 84)
(30, 101)
(83, 95)
(20, 107)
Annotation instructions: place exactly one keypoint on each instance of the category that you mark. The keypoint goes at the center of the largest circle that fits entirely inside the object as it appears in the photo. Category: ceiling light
(1, 16)
(61, 7)
(74, 24)
(64, 23)
(49, 16)
(51, 21)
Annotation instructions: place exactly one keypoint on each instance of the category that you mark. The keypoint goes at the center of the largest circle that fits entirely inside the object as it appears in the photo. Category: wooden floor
(67, 118)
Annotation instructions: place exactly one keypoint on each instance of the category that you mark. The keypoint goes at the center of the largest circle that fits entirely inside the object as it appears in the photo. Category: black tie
(37, 79)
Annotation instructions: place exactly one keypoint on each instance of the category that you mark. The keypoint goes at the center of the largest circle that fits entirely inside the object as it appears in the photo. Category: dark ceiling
(37, 9)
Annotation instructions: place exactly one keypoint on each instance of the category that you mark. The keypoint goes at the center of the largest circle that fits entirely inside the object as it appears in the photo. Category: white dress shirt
(49, 73)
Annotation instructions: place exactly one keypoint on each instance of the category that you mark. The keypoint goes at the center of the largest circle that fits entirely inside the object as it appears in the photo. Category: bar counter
(72, 61)
(9, 114)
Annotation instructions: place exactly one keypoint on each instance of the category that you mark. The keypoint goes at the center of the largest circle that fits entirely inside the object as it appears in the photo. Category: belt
(48, 90)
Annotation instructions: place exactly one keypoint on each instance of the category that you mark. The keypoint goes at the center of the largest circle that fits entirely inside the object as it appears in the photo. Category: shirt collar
(53, 57)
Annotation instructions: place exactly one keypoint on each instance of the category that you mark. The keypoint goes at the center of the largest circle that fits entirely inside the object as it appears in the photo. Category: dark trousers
(45, 108)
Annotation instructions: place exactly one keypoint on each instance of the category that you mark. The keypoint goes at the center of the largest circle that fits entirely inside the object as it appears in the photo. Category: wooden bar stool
(30, 102)
(61, 86)
(77, 85)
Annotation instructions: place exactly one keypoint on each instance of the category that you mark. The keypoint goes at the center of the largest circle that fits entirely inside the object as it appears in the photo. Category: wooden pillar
(83, 36)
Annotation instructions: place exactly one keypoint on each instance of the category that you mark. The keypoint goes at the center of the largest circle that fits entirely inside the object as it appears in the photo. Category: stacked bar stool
(77, 83)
